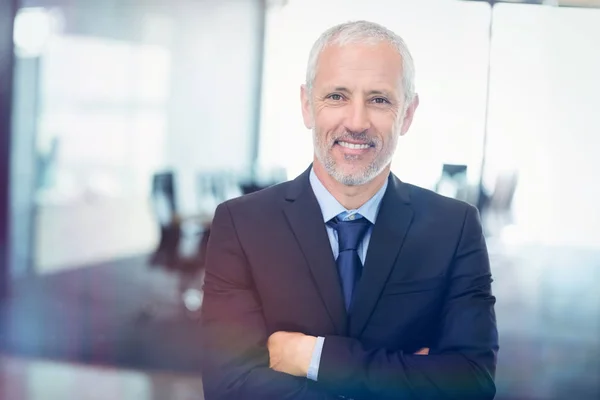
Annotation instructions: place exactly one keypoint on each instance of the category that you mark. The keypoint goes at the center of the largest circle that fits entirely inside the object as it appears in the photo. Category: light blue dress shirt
(331, 208)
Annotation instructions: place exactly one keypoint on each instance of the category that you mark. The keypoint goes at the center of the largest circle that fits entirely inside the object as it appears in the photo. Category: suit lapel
(393, 221)
(306, 221)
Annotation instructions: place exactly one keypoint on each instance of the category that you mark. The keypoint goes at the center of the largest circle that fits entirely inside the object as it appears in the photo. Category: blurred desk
(31, 379)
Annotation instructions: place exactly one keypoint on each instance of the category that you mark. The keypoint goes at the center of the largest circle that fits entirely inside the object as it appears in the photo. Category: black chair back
(163, 197)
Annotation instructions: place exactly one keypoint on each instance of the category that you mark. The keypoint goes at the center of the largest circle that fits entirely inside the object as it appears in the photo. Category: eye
(335, 97)
(381, 100)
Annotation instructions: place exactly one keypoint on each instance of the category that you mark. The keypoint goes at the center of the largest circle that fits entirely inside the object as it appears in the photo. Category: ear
(306, 107)
(409, 115)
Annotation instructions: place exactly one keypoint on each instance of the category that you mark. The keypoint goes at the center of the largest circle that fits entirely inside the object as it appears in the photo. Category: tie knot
(350, 233)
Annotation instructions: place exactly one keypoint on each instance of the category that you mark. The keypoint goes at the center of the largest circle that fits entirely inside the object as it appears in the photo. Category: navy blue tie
(350, 234)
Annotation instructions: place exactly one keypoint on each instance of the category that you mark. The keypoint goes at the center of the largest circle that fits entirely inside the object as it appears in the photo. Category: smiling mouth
(354, 146)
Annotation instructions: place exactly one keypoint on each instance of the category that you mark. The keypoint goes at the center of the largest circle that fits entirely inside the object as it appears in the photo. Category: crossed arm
(238, 360)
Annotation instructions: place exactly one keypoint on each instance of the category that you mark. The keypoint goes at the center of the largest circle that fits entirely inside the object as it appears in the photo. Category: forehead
(361, 64)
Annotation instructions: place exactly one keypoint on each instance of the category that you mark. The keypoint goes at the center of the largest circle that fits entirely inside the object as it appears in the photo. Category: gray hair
(369, 33)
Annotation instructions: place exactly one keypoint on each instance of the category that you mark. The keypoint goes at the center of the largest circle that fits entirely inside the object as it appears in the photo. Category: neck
(351, 197)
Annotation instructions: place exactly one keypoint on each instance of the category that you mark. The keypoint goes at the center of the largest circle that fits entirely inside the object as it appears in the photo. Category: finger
(275, 366)
(423, 352)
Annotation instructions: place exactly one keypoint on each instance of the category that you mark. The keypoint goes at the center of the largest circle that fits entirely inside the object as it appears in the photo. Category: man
(347, 282)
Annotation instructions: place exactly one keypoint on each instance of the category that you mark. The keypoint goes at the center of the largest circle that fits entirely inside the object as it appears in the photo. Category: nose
(357, 118)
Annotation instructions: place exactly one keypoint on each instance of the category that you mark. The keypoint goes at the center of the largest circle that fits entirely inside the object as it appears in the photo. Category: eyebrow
(371, 92)
(381, 92)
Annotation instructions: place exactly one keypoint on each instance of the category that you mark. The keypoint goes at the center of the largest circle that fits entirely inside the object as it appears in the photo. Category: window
(449, 41)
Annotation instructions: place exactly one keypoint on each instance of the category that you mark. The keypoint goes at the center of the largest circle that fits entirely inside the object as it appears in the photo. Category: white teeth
(354, 146)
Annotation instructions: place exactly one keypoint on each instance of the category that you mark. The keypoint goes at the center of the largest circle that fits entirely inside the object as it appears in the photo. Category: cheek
(385, 125)
(328, 121)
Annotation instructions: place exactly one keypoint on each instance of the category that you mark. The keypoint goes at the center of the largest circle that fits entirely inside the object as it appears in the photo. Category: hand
(290, 352)
(423, 352)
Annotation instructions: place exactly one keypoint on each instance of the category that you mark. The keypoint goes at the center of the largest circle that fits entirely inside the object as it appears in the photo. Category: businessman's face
(357, 110)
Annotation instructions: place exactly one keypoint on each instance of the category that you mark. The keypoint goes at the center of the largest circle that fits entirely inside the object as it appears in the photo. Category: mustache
(358, 137)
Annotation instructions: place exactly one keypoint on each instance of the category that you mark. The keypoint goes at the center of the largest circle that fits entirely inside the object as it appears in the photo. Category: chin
(352, 176)
(354, 168)
(353, 180)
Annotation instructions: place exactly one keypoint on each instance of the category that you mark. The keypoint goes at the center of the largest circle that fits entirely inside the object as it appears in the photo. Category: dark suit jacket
(426, 283)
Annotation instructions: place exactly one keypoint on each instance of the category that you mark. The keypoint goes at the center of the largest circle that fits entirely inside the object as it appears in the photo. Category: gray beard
(361, 177)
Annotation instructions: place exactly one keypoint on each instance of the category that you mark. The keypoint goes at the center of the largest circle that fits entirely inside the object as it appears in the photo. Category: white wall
(215, 75)
(544, 119)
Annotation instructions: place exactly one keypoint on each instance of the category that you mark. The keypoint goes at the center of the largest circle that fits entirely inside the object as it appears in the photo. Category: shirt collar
(331, 208)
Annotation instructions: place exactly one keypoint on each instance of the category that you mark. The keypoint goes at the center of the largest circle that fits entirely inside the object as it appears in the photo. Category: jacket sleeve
(235, 359)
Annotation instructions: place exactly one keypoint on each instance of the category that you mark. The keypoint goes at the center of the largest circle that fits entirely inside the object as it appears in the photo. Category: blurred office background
(123, 123)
